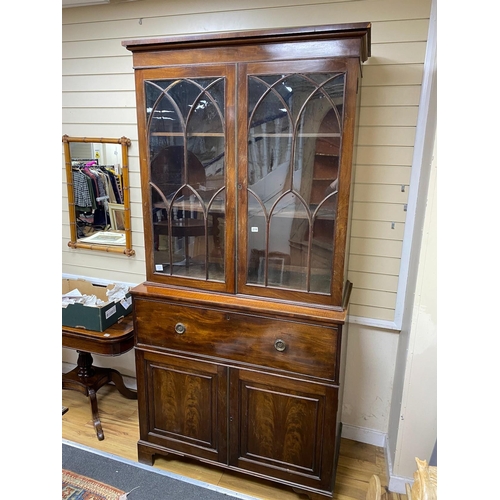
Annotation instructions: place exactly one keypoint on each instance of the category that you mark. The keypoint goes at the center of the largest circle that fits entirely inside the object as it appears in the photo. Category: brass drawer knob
(180, 328)
(280, 345)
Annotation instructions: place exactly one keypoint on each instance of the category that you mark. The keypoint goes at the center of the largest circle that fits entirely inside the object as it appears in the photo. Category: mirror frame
(74, 243)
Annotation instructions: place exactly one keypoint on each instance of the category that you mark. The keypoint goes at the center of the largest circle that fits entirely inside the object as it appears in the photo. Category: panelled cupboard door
(186, 408)
(187, 174)
(283, 427)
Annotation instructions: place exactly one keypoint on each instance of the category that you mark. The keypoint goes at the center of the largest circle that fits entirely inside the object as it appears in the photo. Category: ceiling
(83, 3)
(80, 3)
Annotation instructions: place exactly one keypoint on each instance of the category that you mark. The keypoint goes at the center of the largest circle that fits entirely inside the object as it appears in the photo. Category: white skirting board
(364, 435)
(377, 438)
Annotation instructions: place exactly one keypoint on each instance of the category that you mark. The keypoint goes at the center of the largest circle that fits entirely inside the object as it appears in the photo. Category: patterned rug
(77, 487)
(140, 481)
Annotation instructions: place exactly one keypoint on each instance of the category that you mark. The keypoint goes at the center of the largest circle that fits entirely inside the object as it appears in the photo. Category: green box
(97, 318)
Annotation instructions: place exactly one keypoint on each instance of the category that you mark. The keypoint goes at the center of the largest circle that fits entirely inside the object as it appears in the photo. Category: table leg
(84, 363)
(95, 414)
(88, 379)
(116, 377)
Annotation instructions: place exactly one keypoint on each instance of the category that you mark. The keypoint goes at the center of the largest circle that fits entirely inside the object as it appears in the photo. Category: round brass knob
(280, 345)
(180, 328)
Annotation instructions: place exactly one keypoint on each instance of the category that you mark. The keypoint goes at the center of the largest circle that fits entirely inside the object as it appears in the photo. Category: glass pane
(269, 142)
(294, 140)
(256, 239)
(289, 230)
(187, 175)
(322, 243)
(216, 237)
(162, 112)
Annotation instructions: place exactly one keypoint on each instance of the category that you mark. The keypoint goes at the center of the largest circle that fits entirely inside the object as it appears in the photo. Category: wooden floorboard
(119, 418)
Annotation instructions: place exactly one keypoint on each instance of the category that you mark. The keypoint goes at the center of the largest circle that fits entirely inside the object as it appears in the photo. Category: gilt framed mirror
(97, 178)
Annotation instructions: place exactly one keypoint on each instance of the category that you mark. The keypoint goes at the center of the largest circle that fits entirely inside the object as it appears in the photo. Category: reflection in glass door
(294, 146)
(185, 124)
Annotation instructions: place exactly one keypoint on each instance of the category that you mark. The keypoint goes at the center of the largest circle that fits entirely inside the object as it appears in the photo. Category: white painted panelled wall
(98, 100)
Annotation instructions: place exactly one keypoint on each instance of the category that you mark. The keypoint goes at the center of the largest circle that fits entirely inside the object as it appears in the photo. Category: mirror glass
(98, 193)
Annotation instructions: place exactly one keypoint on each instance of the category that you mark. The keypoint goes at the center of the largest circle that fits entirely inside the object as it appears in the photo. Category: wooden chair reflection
(276, 266)
(168, 166)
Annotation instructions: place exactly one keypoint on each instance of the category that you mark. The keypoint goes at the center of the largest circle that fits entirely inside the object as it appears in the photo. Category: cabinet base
(313, 495)
(146, 455)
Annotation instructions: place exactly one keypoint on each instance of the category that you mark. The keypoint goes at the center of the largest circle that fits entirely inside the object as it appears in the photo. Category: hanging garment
(82, 189)
(114, 185)
(107, 186)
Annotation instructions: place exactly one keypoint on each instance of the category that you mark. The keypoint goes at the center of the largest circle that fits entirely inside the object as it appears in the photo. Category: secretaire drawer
(273, 343)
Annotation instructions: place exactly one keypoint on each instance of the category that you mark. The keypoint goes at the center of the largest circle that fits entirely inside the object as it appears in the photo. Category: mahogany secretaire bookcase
(246, 146)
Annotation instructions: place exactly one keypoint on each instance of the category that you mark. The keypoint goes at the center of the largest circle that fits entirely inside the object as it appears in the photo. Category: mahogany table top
(116, 340)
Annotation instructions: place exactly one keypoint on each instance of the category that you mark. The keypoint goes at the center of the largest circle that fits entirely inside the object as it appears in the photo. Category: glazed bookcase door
(188, 184)
(294, 178)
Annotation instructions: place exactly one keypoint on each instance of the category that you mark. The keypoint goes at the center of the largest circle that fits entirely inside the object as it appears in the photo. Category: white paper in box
(97, 318)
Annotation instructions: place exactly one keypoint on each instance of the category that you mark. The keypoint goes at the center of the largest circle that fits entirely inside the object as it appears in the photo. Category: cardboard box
(96, 318)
